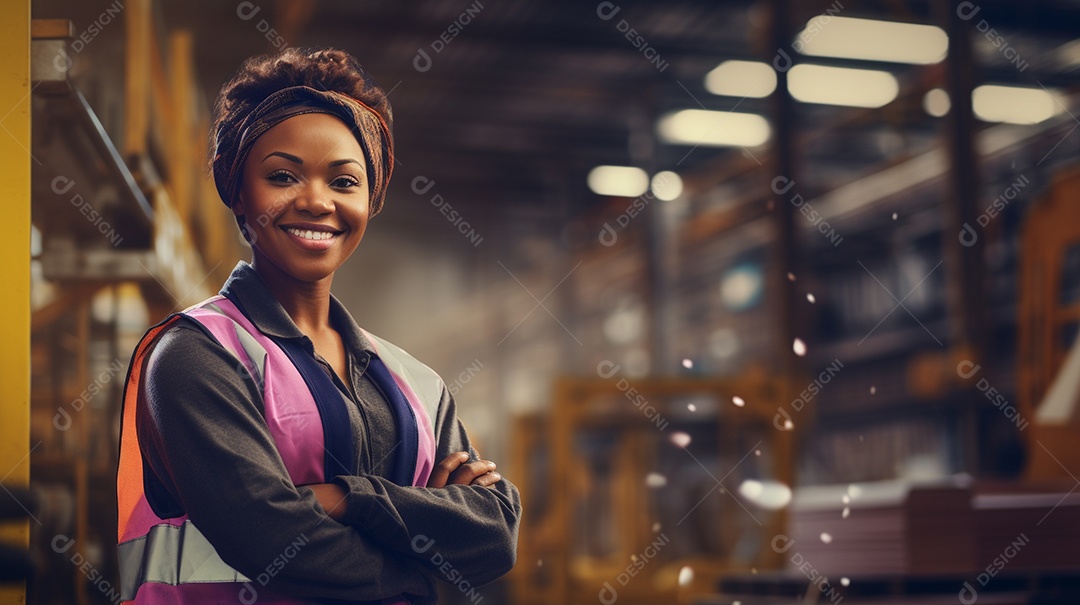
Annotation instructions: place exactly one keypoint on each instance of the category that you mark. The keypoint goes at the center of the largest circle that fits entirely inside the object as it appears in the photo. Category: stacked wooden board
(900, 527)
(888, 527)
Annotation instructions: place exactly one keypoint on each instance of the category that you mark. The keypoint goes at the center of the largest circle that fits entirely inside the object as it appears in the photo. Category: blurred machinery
(636, 487)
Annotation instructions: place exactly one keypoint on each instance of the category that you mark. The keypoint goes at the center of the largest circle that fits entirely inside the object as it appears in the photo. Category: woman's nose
(315, 199)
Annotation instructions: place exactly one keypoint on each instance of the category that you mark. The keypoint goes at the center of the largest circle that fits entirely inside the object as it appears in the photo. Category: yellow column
(15, 258)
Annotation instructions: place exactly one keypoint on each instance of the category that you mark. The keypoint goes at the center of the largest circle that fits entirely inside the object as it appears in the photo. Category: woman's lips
(309, 239)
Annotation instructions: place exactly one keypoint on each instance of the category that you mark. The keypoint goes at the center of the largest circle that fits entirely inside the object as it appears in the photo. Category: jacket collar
(260, 306)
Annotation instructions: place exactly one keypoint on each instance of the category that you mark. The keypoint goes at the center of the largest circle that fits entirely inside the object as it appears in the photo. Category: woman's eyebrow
(288, 156)
(336, 163)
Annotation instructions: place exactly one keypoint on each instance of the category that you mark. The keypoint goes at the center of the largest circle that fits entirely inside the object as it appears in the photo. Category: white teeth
(312, 235)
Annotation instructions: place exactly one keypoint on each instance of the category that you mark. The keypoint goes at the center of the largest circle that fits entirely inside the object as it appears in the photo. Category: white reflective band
(174, 555)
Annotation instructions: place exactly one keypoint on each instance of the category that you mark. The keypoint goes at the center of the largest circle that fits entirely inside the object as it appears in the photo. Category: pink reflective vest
(168, 561)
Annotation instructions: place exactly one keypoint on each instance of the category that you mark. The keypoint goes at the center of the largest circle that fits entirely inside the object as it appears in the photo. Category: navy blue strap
(407, 450)
(340, 456)
(337, 429)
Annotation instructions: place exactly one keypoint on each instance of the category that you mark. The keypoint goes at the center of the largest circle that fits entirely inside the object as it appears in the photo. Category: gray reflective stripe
(174, 555)
(424, 381)
(256, 354)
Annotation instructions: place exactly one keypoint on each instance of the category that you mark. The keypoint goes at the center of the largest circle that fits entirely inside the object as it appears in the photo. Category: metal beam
(15, 158)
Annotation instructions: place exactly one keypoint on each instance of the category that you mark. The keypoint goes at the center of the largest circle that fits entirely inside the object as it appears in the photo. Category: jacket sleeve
(204, 437)
(462, 531)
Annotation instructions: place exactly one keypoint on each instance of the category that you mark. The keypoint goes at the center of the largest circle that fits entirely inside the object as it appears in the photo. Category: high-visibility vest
(168, 561)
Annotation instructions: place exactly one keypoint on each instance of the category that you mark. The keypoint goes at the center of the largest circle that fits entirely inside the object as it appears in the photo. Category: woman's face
(304, 196)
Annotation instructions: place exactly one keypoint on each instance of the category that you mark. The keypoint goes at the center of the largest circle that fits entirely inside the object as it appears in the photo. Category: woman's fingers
(467, 473)
(488, 479)
(456, 469)
(441, 473)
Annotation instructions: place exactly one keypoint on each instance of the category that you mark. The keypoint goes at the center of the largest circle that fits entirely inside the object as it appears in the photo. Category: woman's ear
(238, 206)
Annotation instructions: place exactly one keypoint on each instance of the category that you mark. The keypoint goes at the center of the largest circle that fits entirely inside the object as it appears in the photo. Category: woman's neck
(307, 303)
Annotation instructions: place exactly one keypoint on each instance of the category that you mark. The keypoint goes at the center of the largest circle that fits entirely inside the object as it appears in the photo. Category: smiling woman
(273, 451)
(314, 162)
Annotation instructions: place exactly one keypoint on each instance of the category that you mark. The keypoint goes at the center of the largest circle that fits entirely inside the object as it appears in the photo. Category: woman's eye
(344, 182)
(281, 176)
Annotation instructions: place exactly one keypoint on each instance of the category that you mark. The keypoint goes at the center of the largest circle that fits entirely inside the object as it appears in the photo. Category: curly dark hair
(324, 69)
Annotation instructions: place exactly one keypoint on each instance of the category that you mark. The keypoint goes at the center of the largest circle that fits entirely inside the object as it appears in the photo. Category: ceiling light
(1014, 104)
(714, 128)
(620, 181)
(842, 86)
(872, 40)
(741, 79)
(936, 102)
(667, 185)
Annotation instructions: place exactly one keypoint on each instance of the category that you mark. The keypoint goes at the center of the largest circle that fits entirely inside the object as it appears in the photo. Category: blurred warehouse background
(756, 301)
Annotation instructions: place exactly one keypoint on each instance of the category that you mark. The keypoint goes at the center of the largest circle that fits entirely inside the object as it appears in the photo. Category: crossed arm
(454, 469)
(207, 445)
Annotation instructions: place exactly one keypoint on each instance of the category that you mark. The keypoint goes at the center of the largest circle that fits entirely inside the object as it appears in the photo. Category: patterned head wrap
(370, 129)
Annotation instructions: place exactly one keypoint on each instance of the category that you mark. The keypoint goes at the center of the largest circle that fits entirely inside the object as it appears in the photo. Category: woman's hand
(331, 497)
(455, 469)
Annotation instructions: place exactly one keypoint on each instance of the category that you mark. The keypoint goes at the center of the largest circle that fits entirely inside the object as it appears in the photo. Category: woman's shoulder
(183, 344)
(401, 362)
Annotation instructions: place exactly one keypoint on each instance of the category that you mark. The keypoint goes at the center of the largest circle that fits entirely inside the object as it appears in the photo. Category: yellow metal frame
(1050, 230)
(546, 574)
(15, 255)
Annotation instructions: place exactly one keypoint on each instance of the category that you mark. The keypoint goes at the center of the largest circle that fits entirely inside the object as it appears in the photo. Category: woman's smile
(312, 237)
(305, 197)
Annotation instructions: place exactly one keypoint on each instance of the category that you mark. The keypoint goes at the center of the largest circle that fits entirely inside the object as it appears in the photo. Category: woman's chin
(298, 270)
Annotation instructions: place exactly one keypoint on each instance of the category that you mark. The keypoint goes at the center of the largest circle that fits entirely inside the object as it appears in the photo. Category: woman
(271, 450)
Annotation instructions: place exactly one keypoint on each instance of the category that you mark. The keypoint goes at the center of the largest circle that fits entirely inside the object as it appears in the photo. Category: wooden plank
(181, 88)
(14, 252)
(46, 29)
(139, 26)
(82, 424)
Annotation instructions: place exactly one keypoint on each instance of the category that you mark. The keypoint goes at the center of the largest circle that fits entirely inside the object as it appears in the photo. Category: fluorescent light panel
(1014, 104)
(842, 86)
(753, 79)
(713, 128)
(619, 181)
(872, 40)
